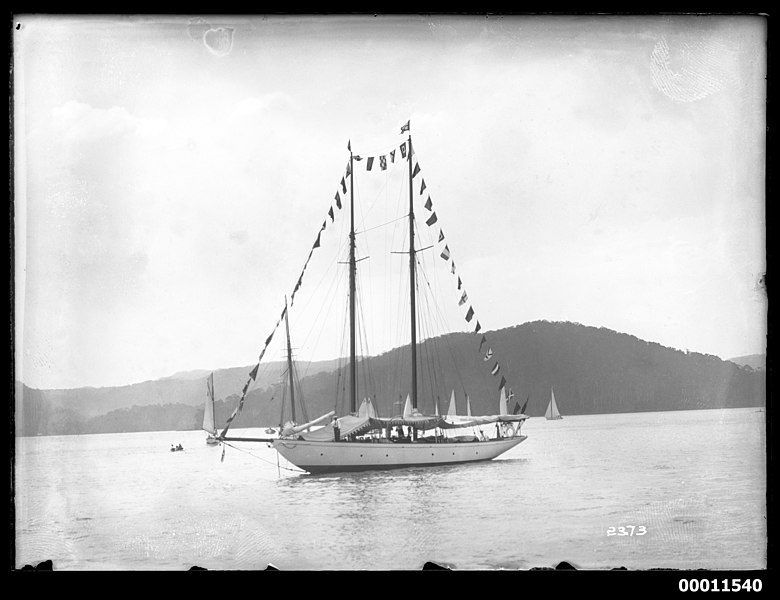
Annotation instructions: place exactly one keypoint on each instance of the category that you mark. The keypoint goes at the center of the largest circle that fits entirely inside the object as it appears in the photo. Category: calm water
(695, 480)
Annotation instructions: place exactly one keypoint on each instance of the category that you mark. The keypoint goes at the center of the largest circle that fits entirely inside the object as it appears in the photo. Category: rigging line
(446, 341)
(261, 458)
(382, 225)
(365, 350)
(332, 296)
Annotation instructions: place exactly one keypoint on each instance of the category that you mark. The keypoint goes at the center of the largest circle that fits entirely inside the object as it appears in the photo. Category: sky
(171, 174)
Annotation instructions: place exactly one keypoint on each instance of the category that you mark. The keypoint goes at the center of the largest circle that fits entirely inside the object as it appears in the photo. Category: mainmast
(352, 271)
(412, 279)
(289, 359)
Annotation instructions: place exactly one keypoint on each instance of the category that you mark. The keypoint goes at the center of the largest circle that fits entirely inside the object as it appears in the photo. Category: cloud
(78, 121)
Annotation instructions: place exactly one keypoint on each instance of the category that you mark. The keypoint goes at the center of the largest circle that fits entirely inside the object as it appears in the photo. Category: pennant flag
(441, 235)
(330, 214)
(383, 162)
(453, 267)
(503, 382)
(392, 156)
(349, 145)
(459, 283)
(463, 299)
(369, 163)
(253, 372)
(516, 408)
(343, 186)
(428, 203)
(338, 200)
(349, 170)
(488, 355)
(324, 224)
(469, 314)
(416, 170)
(522, 410)
(405, 127)
(422, 187)
(431, 220)
(446, 253)
(496, 368)
(358, 158)
(317, 243)
(482, 343)
(284, 310)
(403, 149)
(246, 385)
(477, 328)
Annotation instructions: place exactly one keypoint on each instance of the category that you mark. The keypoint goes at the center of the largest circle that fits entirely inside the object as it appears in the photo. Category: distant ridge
(593, 370)
(754, 361)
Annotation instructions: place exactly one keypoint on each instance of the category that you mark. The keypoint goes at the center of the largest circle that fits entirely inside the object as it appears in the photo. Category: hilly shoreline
(593, 370)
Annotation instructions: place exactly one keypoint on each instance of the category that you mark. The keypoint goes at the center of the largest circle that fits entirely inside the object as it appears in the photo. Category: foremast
(412, 278)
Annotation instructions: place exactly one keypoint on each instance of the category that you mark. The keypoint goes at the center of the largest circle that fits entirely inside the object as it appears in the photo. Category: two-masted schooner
(363, 440)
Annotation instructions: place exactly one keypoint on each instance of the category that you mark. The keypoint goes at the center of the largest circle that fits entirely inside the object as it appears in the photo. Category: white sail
(502, 410)
(452, 410)
(468, 407)
(408, 407)
(208, 410)
(552, 408)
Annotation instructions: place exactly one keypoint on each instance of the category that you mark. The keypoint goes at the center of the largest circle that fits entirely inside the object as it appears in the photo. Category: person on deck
(336, 429)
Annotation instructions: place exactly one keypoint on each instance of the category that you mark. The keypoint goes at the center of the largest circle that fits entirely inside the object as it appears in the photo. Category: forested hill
(592, 370)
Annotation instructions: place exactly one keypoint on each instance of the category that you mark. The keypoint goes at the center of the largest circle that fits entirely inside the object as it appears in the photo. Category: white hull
(325, 457)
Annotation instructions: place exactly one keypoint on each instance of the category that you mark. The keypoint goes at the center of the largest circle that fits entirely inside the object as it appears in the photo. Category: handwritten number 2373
(627, 530)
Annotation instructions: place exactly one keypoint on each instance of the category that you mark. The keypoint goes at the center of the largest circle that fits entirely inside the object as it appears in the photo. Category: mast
(289, 359)
(352, 270)
(412, 280)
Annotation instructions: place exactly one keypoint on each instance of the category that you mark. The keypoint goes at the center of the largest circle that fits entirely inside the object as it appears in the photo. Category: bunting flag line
(369, 163)
(392, 156)
(446, 253)
(343, 186)
(431, 220)
(330, 214)
(441, 235)
(482, 343)
(405, 127)
(453, 267)
(429, 204)
(252, 375)
(503, 382)
(496, 368)
(488, 355)
(403, 149)
(338, 200)
(422, 187)
(463, 299)
(383, 162)
(469, 314)
(317, 242)
(416, 170)
(477, 328)
(459, 283)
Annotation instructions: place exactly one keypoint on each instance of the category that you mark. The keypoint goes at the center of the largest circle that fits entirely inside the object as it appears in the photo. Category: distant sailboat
(209, 425)
(552, 408)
